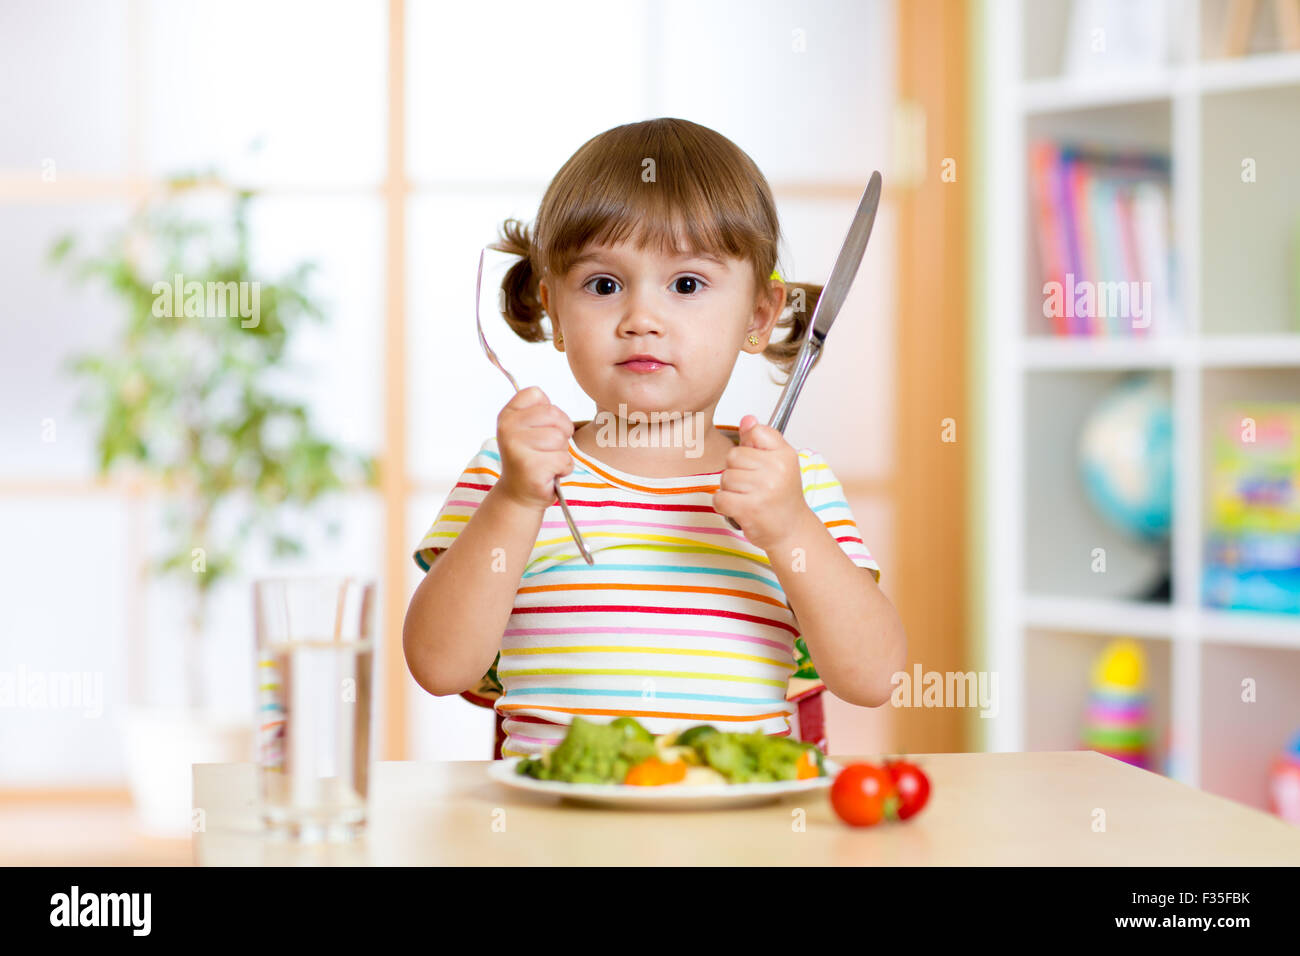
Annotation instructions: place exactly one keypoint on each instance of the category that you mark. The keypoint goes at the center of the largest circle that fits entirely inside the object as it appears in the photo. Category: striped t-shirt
(679, 621)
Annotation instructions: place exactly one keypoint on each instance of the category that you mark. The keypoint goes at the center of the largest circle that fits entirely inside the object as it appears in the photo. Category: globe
(1126, 458)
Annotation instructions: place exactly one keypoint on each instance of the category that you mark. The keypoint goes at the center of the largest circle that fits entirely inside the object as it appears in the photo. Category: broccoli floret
(751, 758)
(692, 735)
(725, 754)
(592, 753)
(604, 753)
(632, 729)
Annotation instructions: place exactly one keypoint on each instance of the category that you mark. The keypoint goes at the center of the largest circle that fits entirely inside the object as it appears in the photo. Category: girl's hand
(533, 437)
(762, 485)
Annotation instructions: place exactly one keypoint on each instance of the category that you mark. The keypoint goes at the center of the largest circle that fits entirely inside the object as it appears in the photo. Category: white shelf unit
(1046, 614)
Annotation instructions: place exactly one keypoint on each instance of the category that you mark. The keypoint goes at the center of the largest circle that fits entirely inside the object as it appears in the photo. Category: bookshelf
(1237, 337)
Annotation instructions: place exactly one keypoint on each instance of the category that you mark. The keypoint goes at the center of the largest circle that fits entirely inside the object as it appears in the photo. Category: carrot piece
(654, 772)
(805, 766)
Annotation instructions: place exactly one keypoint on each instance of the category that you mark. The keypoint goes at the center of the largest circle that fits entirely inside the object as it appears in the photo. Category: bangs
(664, 185)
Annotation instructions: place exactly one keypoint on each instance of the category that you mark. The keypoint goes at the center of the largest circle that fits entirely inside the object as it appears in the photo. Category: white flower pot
(162, 745)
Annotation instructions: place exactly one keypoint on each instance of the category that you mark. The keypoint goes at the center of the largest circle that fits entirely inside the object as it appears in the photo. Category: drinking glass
(315, 656)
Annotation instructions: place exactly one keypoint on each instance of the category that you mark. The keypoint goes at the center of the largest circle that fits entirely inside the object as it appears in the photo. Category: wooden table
(985, 809)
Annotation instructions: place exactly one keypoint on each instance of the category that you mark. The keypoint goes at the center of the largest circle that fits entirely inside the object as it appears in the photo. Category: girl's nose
(642, 313)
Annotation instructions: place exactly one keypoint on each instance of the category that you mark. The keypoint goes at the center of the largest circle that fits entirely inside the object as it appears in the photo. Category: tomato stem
(891, 808)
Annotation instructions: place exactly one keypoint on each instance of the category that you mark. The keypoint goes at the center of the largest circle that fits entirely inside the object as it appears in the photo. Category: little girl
(653, 258)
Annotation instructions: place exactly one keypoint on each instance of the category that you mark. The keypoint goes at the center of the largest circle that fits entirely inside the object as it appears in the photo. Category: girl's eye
(604, 287)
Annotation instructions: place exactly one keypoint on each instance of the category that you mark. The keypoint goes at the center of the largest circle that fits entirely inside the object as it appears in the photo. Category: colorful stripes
(680, 620)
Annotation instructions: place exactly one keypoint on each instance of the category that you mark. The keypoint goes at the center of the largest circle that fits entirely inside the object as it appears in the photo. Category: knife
(828, 304)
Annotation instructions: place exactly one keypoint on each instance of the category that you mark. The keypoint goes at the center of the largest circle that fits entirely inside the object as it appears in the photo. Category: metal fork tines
(482, 340)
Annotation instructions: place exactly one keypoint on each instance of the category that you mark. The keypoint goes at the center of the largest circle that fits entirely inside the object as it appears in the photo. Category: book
(1104, 239)
(1078, 224)
(1252, 548)
(1044, 160)
(1128, 245)
(1151, 215)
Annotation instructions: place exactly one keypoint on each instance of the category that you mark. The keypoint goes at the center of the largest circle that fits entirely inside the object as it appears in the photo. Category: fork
(492, 356)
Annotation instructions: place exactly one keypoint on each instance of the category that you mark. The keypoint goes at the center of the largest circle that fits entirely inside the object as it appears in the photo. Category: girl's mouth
(642, 365)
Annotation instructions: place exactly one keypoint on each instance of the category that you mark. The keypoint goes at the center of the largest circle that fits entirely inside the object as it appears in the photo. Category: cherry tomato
(864, 794)
(912, 785)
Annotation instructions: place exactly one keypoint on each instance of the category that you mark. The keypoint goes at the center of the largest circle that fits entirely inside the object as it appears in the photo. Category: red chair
(804, 692)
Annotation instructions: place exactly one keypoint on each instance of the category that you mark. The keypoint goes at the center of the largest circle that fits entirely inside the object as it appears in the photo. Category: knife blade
(829, 302)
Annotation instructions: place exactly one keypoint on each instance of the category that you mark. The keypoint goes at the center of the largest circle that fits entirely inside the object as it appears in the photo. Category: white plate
(671, 796)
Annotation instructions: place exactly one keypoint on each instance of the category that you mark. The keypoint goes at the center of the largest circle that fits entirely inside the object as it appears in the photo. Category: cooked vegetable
(754, 757)
(692, 735)
(671, 754)
(623, 751)
(703, 776)
(806, 767)
(633, 730)
(593, 753)
(654, 772)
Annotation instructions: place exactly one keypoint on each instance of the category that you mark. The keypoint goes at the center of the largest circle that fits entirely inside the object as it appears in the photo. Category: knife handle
(798, 375)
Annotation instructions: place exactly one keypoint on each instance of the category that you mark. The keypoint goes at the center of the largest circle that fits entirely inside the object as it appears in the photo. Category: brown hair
(704, 187)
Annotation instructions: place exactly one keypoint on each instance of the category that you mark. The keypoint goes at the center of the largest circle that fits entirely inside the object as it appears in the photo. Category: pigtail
(522, 305)
(801, 301)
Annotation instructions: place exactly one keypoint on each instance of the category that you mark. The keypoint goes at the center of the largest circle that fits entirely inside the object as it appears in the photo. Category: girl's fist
(533, 437)
(762, 485)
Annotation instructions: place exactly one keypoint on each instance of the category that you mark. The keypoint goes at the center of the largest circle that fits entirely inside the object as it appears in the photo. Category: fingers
(533, 435)
(745, 458)
(545, 438)
(545, 426)
(527, 397)
(734, 480)
(761, 436)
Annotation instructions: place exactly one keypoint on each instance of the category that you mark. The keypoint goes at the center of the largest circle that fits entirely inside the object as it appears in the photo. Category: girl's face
(692, 313)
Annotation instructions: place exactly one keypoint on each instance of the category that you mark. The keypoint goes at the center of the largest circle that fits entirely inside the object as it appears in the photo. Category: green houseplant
(184, 397)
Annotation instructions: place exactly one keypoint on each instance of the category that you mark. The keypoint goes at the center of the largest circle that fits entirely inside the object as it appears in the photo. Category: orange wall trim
(933, 318)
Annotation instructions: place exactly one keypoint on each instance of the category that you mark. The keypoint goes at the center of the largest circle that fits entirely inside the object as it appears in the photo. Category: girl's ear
(545, 295)
(779, 292)
(769, 307)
